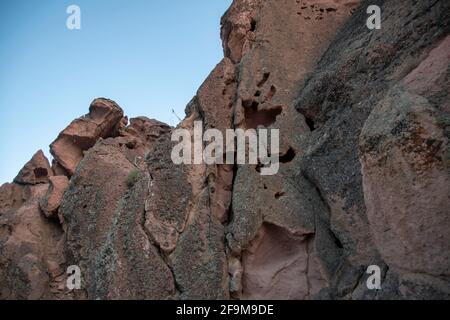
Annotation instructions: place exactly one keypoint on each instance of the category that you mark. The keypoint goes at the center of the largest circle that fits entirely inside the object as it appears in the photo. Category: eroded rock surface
(51, 202)
(406, 169)
(35, 171)
(363, 178)
(31, 248)
(102, 121)
(104, 222)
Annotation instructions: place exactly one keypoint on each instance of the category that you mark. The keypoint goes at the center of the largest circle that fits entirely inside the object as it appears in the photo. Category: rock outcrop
(364, 176)
(102, 121)
(36, 171)
(31, 246)
(51, 202)
(405, 165)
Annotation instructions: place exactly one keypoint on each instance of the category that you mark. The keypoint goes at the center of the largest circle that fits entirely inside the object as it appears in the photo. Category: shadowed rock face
(405, 164)
(104, 221)
(363, 180)
(31, 247)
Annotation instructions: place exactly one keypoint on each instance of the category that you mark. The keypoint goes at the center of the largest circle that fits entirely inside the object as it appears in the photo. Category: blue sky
(147, 55)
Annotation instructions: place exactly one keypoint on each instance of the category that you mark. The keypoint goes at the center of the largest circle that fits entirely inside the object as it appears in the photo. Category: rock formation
(364, 178)
(37, 170)
(102, 121)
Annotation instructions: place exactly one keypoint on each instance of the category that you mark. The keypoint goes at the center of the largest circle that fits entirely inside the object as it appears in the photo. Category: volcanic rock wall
(364, 173)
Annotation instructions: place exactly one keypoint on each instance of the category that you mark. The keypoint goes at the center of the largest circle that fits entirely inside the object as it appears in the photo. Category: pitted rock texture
(36, 171)
(364, 172)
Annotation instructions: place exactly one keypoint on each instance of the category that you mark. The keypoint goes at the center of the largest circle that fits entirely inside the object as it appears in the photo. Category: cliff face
(364, 178)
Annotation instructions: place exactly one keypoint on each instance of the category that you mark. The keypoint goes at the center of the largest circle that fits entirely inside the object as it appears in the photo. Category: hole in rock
(275, 259)
(255, 117)
(288, 156)
(40, 172)
(132, 144)
(337, 242)
(310, 123)
(253, 25)
(272, 92)
(264, 79)
(278, 195)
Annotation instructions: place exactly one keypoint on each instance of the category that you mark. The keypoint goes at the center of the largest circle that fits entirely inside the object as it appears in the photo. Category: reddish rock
(31, 255)
(36, 171)
(145, 129)
(104, 214)
(238, 25)
(57, 169)
(406, 169)
(275, 260)
(101, 122)
(139, 136)
(431, 75)
(363, 177)
(275, 54)
(13, 196)
(215, 96)
(50, 203)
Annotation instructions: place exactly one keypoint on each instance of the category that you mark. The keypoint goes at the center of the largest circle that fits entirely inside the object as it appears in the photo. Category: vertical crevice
(164, 256)
(310, 123)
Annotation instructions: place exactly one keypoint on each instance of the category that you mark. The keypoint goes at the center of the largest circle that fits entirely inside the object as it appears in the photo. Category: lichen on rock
(363, 179)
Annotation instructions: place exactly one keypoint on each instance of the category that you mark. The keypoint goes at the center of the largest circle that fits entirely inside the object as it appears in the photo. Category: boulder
(35, 171)
(406, 169)
(363, 178)
(102, 121)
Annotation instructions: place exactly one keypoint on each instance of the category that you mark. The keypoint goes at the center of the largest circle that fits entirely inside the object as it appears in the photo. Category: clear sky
(147, 55)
